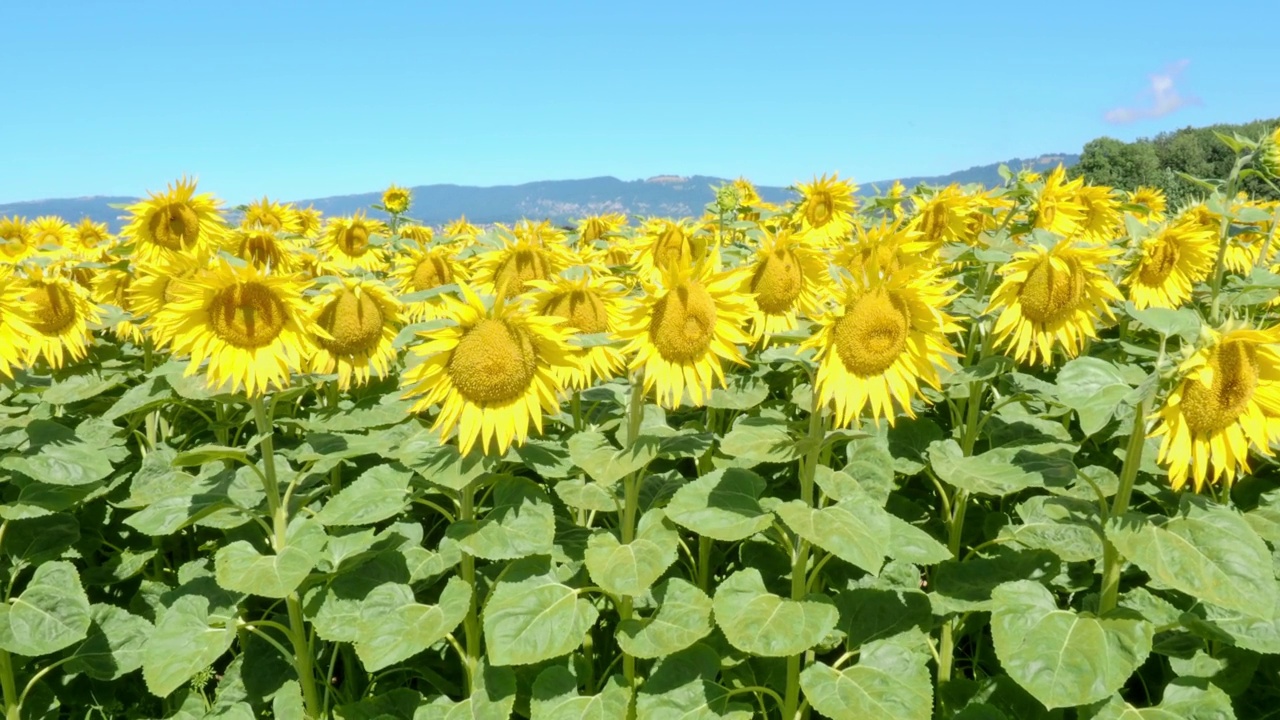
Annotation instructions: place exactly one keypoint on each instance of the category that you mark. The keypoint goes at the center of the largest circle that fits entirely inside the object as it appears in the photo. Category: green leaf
(51, 613)
(683, 687)
(1257, 630)
(891, 680)
(584, 495)
(683, 618)
(492, 698)
(534, 620)
(186, 640)
(440, 464)
(723, 505)
(755, 440)
(997, 472)
(393, 626)
(1069, 527)
(39, 539)
(967, 586)
(1184, 322)
(760, 623)
(868, 614)
(114, 646)
(548, 459)
(855, 530)
(741, 392)
(80, 387)
(1181, 701)
(398, 704)
(909, 543)
(871, 466)
(629, 569)
(521, 523)
(241, 568)
(209, 453)
(150, 393)
(591, 451)
(58, 456)
(1208, 552)
(555, 697)
(1061, 657)
(380, 493)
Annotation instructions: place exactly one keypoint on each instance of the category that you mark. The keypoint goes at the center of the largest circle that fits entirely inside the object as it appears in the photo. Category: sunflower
(825, 211)
(787, 279)
(396, 199)
(1228, 400)
(16, 332)
(309, 221)
(150, 294)
(1102, 220)
(460, 230)
(264, 248)
(1173, 260)
(15, 239)
(1058, 208)
(590, 305)
(271, 216)
(887, 338)
(680, 331)
(883, 249)
(1052, 296)
(173, 222)
(418, 269)
(667, 243)
(942, 216)
(595, 227)
(1269, 153)
(357, 321)
(251, 327)
(493, 373)
(348, 243)
(507, 270)
(53, 233)
(420, 234)
(61, 313)
(93, 239)
(111, 287)
(1151, 201)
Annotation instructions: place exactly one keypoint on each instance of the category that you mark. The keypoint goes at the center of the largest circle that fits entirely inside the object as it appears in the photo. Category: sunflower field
(939, 453)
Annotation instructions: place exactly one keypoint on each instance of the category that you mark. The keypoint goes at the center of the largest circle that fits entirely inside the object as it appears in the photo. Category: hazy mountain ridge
(557, 200)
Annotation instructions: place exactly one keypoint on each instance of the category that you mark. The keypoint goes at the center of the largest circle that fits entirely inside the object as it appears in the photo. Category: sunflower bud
(1269, 153)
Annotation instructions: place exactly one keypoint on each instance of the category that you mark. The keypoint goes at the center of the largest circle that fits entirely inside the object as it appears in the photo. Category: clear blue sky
(308, 99)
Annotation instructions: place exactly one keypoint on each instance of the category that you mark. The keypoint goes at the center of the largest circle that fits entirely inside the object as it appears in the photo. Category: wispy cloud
(1161, 98)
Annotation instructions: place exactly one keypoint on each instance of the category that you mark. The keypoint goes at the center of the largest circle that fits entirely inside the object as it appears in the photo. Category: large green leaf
(1208, 551)
(38, 539)
(555, 697)
(1061, 657)
(606, 464)
(683, 687)
(623, 569)
(758, 622)
(521, 523)
(722, 505)
(909, 543)
(493, 697)
(381, 492)
(58, 455)
(1069, 527)
(682, 619)
(967, 586)
(114, 646)
(51, 613)
(239, 567)
(440, 464)
(1181, 701)
(1094, 388)
(1001, 471)
(392, 626)
(868, 614)
(187, 639)
(758, 439)
(854, 530)
(534, 620)
(891, 680)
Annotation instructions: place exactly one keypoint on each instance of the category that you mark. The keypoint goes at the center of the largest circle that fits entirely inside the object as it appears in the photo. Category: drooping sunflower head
(1227, 402)
(16, 315)
(154, 288)
(883, 249)
(309, 222)
(264, 248)
(174, 222)
(683, 328)
(460, 230)
(1053, 298)
(15, 239)
(506, 271)
(271, 216)
(1172, 261)
(356, 323)
(595, 227)
(493, 372)
(943, 216)
(668, 243)
(251, 327)
(887, 338)
(589, 305)
(1269, 153)
(1151, 202)
(420, 234)
(419, 269)
(51, 233)
(396, 199)
(111, 287)
(787, 279)
(93, 239)
(825, 210)
(61, 315)
(1102, 221)
(354, 243)
(1058, 208)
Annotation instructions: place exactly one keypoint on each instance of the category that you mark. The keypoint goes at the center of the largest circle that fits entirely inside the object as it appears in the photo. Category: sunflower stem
(800, 555)
(467, 569)
(302, 660)
(11, 704)
(631, 503)
(1111, 560)
(1224, 227)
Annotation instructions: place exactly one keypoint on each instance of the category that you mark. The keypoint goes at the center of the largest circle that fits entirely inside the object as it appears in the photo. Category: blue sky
(307, 99)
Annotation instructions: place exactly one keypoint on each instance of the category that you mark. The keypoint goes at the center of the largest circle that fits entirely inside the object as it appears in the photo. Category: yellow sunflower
(942, 216)
(53, 236)
(786, 280)
(250, 326)
(1173, 260)
(154, 287)
(667, 243)
(93, 239)
(396, 199)
(309, 221)
(1057, 205)
(681, 330)
(590, 305)
(461, 231)
(348, 243)
(418, 269)
(1053, 297)
(595, 227)
(884, 248)
(271, 216)
(1151, 200)
(1102, 221)
(357, 321)
(111, 287)
(507, 270)
(825, 211)
(264, 248)
(16, 332)
(61, 315)
(419, 234)
(493, 373)
(1269, 153)
(175, 221)
(1227, 401)
(15, 239)
(887, 338)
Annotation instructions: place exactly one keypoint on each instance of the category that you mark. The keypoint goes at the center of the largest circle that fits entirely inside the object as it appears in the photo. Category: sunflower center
(518, 268)
(55, 308)
(820, 209)
(777, 282)
(247, 315)
(431, 272)
(261, 249)
(583, 310)
(1048, 293)
(355, 322)
(493, 363)
(683, 323)
(1210, 408)
(671, 248)
(175, 226)
(1159, 262)
(872, 335)
(354, 240)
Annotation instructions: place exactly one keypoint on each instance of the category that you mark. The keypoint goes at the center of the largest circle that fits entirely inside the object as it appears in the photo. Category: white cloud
(1159, 99)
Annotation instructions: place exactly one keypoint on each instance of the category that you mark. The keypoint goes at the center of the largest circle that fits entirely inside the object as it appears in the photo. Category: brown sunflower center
(431, 272)
(820, 209)
(175, 226)
(355, 322)
(1210, 408)
(55, 308)
(872, 335)
(683, 323)
(261, 249)
(583, 310)
(354, 240)
(1160, 260)
(777, 282)
(1048, 294)
(493, 363)
(247, 315)
(518, 268)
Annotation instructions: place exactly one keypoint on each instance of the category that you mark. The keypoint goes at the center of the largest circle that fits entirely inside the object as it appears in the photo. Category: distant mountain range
(556, 200)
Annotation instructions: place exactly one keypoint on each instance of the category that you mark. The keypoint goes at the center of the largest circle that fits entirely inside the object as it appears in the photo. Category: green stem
(630, 506)
(11, 703)
(704, 563)
(1111, 560)
(576, 404)
(467, 568)
(1219, 267)
(800, 555)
